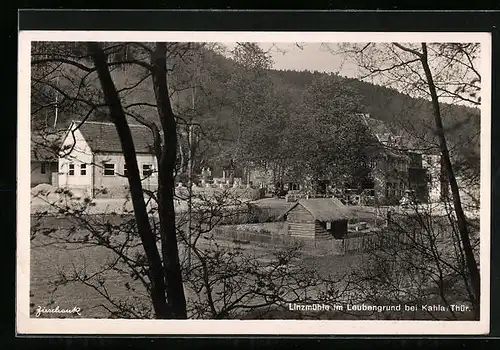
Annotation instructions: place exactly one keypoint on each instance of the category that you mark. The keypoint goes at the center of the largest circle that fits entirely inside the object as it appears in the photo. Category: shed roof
(103, 137)
(323, 209)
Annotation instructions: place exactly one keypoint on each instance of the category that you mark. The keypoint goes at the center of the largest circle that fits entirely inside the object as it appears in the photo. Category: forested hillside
(408, 116)
(249, 112)
(398, 110)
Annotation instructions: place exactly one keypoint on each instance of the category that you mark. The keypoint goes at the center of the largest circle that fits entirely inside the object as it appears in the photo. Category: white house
(92, 162)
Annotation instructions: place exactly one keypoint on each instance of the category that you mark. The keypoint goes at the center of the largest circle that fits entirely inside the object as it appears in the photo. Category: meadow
(49, 260)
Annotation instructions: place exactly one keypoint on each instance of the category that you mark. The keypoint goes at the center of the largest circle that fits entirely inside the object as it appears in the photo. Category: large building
(92, 164)
(395, 168)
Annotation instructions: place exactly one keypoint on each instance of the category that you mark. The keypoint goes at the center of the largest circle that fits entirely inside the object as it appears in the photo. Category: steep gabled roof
(402, 141)
(378, 128)
(324, 209)
(103, 137)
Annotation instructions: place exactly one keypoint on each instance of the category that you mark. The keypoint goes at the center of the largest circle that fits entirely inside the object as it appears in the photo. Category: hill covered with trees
(247, 111)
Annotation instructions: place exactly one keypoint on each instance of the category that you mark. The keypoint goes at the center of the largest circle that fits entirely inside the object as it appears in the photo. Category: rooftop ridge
(105, 123)
(103, 136)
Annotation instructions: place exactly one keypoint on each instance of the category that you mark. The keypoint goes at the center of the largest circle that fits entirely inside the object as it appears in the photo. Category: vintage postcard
(253, 183)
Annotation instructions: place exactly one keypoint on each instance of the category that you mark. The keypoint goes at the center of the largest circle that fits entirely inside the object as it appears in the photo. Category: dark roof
(403, 140)
(324, 209)
(103, 137)
(378, 128)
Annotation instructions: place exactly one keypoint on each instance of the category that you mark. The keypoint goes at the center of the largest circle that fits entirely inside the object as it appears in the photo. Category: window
(53, 167)
(71, 169)
(147, 170)
(43, 167)
(109, 169)
(83, 169)
(328, 225)
(125, 170)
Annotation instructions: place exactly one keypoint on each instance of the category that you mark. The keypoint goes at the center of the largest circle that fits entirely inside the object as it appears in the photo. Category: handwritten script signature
(57, 310)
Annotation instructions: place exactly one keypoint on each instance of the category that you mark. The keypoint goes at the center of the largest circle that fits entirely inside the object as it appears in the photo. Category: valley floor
(50, 260)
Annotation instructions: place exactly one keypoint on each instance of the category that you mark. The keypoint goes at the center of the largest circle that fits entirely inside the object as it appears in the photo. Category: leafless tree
(225, 279)
(143, 249)
(433, 71)
(83, 60)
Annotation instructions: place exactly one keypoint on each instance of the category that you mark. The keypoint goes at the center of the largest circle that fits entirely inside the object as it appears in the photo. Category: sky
(322, 57)
(307, 56)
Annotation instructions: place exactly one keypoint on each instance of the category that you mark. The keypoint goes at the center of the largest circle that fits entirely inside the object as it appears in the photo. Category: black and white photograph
(272, 178)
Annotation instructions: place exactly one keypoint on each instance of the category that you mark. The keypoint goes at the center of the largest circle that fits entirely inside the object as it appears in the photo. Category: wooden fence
(361, 243)
(327, 246)
(247, 236)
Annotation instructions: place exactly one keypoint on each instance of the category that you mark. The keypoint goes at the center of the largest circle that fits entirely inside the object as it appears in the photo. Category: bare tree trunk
(170, 251)
(190, 192)
(181, 154)
(462, 222)
(148, 240)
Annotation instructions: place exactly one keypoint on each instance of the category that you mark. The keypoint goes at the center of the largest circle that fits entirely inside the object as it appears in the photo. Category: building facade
(92, 163)
(44, 159)
(395, 169)
(44, 172)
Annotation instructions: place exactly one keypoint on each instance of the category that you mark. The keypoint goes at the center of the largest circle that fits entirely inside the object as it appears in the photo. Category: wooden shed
(317, 218)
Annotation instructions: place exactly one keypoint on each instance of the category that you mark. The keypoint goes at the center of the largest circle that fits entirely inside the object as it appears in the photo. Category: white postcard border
(27, 325)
